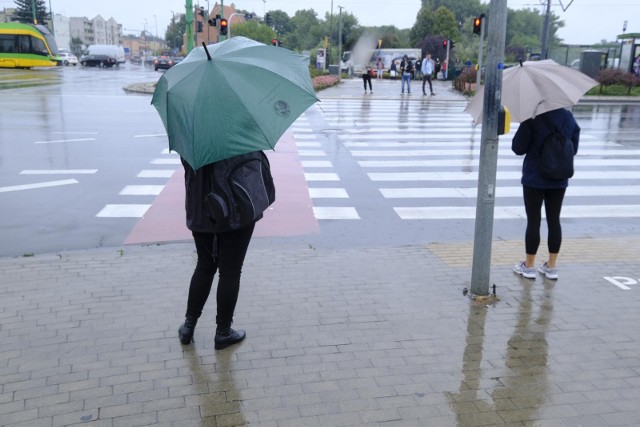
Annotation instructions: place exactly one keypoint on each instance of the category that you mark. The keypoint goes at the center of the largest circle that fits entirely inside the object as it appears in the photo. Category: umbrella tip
(204, 45)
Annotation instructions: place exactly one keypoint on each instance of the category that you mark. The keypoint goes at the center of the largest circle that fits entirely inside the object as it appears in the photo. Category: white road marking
(335, 213)
(316, 164)
(38, 185)
(472, 192)
(64, 140)
(516, 212)
(141, 190)
(156, 173)
(123, 211)
(311, 153)
(473, 176)
(58, 171)
(154, 135)
(328, 193)
(321, 177)
(173, 161)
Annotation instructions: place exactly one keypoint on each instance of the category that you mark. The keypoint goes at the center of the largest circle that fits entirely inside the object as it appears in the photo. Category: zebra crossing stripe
(156, 173)
(328, 193)
(503, 192)
(335, 213)
(123, 211)
(518, 212)
(514, 161)
(316, 164)
(141, 190)
(329, 176)
(515, 175)
(476, 151)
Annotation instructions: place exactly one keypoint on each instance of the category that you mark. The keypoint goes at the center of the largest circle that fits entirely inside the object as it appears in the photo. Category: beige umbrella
(535, 87)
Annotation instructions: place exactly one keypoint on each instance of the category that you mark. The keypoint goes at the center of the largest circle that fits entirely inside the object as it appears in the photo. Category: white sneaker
(524, 271)
(549, 273)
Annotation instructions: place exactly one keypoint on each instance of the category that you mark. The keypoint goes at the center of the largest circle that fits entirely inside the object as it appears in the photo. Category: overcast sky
(586, 21)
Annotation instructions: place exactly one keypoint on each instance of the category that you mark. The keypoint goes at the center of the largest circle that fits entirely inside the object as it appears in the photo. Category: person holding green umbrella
(222, 102)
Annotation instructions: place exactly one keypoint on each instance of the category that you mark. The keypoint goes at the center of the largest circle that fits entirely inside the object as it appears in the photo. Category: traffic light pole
(479, 73)
(188, 18)
(485, 202)
(221, 37)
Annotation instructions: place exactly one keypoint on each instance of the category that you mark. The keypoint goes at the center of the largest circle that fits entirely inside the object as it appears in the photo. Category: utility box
(334, 70)
(591, 62)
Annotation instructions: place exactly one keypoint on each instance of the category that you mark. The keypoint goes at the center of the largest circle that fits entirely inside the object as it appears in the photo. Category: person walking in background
(537, 189)
(217, 251)
(380, 68)
(406, 68)
(427, 71)
(393, 70)
(366, 78)
(444, 71)
(438, 67)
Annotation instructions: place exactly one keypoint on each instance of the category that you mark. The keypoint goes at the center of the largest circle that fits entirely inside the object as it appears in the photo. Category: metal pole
(489, 150)
(340, 44)
(544, 52)
(479, 73)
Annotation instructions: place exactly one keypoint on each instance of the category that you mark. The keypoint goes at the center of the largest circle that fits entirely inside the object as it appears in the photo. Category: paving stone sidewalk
(380, 336)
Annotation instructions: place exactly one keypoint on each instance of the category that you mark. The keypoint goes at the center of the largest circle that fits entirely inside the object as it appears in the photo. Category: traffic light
(201, 11)
(212, 22)
(445, 42)
(452, 44)
(274, 42)
(477, 25)
(224, 27)
(198, 26)
(267, 19)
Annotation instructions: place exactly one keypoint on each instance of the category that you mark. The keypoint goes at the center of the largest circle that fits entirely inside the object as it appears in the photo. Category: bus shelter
(630, 53)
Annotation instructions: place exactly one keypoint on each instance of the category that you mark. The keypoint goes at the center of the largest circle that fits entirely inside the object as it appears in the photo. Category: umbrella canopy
(232, 98)
(535, 87)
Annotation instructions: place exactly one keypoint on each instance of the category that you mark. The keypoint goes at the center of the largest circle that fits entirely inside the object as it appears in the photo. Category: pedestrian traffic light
(224, 27)
(274, 42)
(445, 42)
(477, 25)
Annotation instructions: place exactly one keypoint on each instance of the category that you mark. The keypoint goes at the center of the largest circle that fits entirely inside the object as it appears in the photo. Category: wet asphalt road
(71, 139)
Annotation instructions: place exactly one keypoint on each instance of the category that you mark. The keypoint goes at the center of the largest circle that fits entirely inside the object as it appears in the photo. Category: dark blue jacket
(529, 138)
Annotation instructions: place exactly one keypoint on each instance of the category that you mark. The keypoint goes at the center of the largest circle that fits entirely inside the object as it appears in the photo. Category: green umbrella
(231, 98)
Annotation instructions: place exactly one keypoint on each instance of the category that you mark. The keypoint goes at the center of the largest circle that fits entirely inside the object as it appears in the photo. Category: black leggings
(533, 198)
(366, 77)
(224, 252)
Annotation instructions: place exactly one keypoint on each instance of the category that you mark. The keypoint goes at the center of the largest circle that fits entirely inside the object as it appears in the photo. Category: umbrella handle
(206, 51)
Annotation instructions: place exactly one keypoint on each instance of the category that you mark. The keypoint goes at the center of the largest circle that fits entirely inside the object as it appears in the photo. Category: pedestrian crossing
(149, 183)
(424, 162)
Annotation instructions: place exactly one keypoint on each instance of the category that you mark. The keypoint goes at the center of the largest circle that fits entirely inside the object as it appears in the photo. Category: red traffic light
(477, 25)
(224, 26)
(445, 42)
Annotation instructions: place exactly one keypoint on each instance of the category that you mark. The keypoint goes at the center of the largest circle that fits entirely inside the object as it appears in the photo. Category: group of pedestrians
(427, 68)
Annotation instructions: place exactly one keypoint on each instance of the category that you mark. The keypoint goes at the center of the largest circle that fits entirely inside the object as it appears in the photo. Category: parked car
(68, 58)
(163, 63)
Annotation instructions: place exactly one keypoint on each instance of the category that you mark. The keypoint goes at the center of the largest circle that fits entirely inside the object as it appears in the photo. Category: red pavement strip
(290, 215)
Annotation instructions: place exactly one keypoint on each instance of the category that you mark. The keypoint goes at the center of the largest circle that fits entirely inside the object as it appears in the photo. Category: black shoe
(224, 340)
(185, 332)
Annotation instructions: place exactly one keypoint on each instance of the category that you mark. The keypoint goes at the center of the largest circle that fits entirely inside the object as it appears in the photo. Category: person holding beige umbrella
(536, 94)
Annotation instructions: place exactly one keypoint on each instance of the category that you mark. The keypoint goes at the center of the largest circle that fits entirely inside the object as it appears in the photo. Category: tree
(306, 32)
(280, 22)
(254, 30)
(24, 11)
(174, 35)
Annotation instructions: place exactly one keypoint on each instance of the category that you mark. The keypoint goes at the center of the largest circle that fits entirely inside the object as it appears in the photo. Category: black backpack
(241, 190)
(555, 156)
